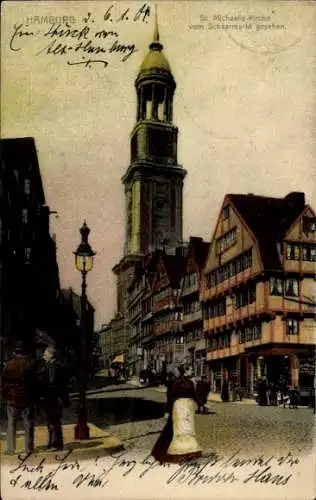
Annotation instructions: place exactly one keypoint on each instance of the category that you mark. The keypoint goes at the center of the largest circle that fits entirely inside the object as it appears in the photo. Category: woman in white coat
(177, 442)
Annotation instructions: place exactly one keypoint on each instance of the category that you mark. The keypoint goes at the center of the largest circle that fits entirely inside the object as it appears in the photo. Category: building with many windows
(29, 280)
(134, 315)
(106, 346)
(166, 309)
(191, 309)
(258, 291)
(154, 311)
(113, 344)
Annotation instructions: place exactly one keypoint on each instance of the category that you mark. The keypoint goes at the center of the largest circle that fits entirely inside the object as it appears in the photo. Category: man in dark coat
(53, 390)
(225, 391)
(19, 389)
(263, 391)
(202, 391)
(273, 396)
(294, 397)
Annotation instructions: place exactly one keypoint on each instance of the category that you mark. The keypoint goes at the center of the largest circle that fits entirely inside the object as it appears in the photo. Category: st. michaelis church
(153, 182)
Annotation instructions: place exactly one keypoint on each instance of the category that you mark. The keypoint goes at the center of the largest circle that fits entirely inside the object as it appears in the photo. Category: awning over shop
(118, 359)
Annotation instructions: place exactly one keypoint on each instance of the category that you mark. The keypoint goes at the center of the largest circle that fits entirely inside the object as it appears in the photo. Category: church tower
(153, 182)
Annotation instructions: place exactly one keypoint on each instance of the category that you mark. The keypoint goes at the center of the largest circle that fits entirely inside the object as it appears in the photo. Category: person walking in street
(53, 397)
(240, 391)
(177, 442)
(294, 395)
(263, 392)
(203, 388)
(20, 392)
(283, 387)
(233, 389)
(225, 391)
(273, 397)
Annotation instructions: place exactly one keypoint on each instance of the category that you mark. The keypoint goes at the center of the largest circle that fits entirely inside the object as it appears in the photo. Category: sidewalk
(100, 442)
(127, 386)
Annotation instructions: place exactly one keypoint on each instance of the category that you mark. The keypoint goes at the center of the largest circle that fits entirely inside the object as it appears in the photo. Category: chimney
(296, 198)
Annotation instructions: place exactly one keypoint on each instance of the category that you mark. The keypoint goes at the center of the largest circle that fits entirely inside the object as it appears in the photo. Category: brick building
(166, 309)
(192, 319)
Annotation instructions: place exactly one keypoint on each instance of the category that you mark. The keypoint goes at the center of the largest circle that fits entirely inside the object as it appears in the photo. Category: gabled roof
(149, 266)
(174, 266)
(198, 250)
(268, 219)
(196, 255)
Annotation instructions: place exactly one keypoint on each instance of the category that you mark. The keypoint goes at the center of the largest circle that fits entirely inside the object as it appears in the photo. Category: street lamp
(84, 263)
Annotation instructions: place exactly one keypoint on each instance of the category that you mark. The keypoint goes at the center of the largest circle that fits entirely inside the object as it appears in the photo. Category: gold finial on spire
(156, 30)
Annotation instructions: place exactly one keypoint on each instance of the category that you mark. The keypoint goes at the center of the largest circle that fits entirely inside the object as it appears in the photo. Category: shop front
(214, 374)
(237, 370)
(290, 364)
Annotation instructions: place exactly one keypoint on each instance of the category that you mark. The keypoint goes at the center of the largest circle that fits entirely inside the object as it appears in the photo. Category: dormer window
(225, 212)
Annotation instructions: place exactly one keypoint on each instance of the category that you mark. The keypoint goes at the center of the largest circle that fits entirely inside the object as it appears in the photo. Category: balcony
(191, 317)
(168, 327)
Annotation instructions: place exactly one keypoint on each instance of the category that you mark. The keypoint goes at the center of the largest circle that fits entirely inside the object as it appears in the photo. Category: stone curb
(100, 443)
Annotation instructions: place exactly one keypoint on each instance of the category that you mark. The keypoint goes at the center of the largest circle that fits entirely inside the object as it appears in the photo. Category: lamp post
(84, 263)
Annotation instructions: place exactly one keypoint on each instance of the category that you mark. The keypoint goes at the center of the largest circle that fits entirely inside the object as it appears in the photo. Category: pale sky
(244, 105)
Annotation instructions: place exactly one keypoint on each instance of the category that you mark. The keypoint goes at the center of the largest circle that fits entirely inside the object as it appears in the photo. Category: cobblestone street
(253, 446)
(227, 427)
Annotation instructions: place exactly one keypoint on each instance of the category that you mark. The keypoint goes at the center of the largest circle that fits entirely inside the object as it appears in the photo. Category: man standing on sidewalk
(53, 388)
(203, 388)
(20, 392)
